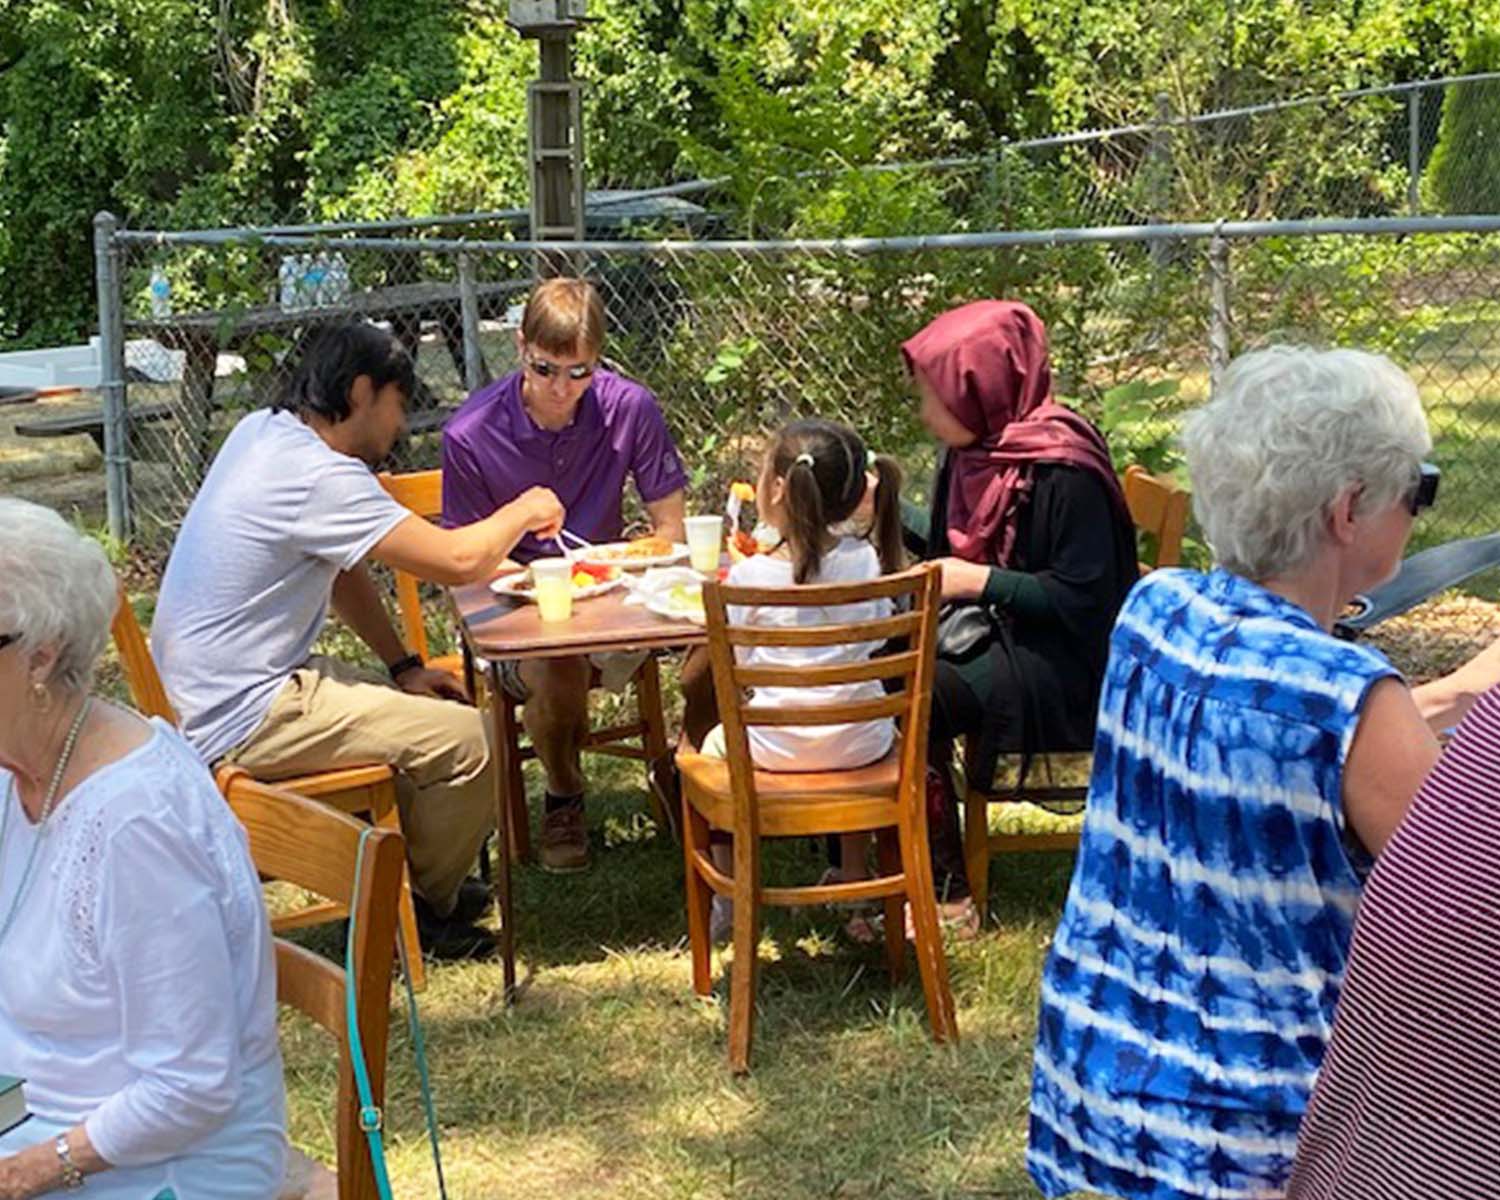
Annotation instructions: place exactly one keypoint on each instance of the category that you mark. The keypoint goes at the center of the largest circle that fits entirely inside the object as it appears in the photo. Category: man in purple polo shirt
(564, 422)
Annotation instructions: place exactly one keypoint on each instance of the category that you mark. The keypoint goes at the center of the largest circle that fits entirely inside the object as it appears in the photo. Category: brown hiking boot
(565, 841)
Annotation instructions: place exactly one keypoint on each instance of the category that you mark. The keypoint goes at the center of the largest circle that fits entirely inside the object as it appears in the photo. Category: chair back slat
(827, 714)
(422, 492)
(312, 846)
(147, 692)
(889, 666)
(882, 630)
(911, 660)
(1159, 508)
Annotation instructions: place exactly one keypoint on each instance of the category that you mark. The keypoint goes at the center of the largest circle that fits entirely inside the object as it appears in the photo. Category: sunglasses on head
(543, 369)
(1424, 490)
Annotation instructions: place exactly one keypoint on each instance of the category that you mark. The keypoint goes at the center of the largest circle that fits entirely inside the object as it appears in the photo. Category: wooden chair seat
(866, 795)
(1159, 510)
(886, 798)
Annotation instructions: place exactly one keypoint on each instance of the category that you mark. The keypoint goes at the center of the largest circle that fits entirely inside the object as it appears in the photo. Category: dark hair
(334, 359)
(824, 466)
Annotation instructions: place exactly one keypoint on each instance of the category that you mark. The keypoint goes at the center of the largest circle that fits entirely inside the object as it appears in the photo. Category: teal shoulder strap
(371, 1119)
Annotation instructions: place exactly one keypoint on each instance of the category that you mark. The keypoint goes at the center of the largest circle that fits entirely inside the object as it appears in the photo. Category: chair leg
(515, 787)
(888, 854)
(746, 952)
(977, 849)
(931, 961)
(386, 815)
(699, 898)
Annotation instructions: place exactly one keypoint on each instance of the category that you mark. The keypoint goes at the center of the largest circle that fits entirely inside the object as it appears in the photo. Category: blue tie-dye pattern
(1190, 989)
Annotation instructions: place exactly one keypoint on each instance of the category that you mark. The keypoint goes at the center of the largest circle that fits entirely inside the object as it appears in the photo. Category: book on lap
(12, 1103)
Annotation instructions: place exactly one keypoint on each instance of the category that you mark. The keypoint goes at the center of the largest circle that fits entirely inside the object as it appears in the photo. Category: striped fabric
(1408, 1102)
(1190, 989)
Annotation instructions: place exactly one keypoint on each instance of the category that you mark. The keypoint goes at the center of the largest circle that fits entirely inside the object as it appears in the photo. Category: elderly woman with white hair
(1247, 767)
(137, 985)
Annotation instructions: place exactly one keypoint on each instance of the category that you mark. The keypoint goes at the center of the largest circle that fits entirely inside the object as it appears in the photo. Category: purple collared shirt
(493, 451)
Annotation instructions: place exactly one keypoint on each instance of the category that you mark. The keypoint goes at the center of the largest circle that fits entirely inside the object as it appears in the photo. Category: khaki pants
(330, 714)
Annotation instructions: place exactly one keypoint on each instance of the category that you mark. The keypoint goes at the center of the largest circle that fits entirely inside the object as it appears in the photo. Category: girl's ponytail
(807, 527)
(885, 530)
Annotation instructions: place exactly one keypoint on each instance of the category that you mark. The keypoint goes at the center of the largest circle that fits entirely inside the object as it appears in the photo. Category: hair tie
(803, 460)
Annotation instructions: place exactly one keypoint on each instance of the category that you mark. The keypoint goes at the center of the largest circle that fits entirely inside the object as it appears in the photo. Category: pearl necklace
(47, 805)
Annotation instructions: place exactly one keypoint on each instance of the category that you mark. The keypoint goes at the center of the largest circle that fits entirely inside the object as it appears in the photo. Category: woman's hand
(963, 580)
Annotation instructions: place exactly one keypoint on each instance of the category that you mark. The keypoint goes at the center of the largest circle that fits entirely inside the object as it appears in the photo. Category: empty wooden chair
(644, 738)
(885, 798)
(353, 790)
(1159, 509)
(316, 848)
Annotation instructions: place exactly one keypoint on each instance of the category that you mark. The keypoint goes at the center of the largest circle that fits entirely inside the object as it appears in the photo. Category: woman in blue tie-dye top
(1246, 766)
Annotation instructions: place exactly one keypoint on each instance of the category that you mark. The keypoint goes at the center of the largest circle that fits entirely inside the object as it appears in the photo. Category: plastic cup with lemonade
(705, 539)
(552, 584)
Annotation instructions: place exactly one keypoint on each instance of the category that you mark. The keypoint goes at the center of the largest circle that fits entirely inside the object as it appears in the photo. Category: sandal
(958, 920)
(866, 922)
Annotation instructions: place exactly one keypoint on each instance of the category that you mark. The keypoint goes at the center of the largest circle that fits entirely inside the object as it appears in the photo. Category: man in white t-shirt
(287, 516)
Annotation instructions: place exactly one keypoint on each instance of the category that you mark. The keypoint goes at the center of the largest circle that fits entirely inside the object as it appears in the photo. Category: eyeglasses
(1424, 491)
(543, 369)
(7, 638)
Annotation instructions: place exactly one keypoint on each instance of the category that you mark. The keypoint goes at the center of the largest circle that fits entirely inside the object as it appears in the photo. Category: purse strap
(371, 1118)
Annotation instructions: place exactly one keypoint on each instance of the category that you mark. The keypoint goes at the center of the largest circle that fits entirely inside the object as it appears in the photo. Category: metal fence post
(1218, 320)
(468, 299)
(112, 376)
(1414, 150)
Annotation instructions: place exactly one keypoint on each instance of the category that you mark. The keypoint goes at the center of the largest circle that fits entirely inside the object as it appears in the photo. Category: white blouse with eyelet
(137, 981)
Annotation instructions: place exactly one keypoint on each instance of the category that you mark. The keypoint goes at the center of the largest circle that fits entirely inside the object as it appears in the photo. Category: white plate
(665, 604)
(601, 556)
(517, 586)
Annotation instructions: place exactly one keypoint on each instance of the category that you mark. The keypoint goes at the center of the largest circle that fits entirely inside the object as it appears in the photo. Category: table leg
(504, 897)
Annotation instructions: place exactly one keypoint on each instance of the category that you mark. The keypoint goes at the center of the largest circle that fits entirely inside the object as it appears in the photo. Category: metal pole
(468, 299)
(112, 377)
(1414, 150)
(1218, 319)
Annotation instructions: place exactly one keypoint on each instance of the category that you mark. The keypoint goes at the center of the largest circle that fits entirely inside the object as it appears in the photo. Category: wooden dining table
(496, 628)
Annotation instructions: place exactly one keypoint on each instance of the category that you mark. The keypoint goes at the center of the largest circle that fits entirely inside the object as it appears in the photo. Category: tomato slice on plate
(600, 571)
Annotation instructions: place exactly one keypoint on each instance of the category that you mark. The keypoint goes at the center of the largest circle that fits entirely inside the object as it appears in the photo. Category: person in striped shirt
(1406, 1102)
(1247, 765)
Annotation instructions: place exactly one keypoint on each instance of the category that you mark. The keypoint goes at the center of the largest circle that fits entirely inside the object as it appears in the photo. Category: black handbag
(966, 629)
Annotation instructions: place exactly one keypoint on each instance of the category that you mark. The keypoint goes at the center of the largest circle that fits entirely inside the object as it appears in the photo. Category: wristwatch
(72, 1177)
(403, 665)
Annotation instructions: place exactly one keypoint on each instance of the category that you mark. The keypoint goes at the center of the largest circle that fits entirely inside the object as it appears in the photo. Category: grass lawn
(608, 1078)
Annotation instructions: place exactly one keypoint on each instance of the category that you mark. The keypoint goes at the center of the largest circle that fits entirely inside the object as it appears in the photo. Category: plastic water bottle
(286, 284)
(161, 294)
(317, 281)
(338, 279)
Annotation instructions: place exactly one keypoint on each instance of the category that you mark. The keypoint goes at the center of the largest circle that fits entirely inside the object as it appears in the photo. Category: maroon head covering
(986, 363)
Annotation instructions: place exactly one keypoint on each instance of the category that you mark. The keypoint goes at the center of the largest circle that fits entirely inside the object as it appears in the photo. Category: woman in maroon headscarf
(1028, 521)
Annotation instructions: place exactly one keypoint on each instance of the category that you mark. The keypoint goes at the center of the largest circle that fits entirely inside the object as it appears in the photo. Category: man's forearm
(667, 516)
(358, 605)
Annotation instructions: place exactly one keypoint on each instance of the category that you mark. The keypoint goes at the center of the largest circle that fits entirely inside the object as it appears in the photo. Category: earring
(40, 695)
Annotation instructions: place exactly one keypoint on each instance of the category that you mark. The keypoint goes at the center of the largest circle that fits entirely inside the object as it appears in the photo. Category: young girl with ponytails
(833, 512)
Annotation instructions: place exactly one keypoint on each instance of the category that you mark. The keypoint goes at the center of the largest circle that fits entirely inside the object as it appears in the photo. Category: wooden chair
(1159, 509)
(886, 798)
(370, 789)
(317, 848)
(422, 492)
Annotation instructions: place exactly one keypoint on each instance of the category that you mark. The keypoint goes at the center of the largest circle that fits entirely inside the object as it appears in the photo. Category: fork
(579, 543)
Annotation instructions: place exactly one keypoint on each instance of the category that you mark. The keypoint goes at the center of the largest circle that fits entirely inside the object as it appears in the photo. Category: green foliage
(1463, 175)
(186, 113)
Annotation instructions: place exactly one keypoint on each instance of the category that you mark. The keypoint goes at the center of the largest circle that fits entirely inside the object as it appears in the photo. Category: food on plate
(584, 577)
(649, 546)
(687, 598)
(743, 490)
(742, 546)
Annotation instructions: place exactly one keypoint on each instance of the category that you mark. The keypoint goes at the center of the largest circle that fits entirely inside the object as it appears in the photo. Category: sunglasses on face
(543, 369)
(1424, 490)
(7, 638)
